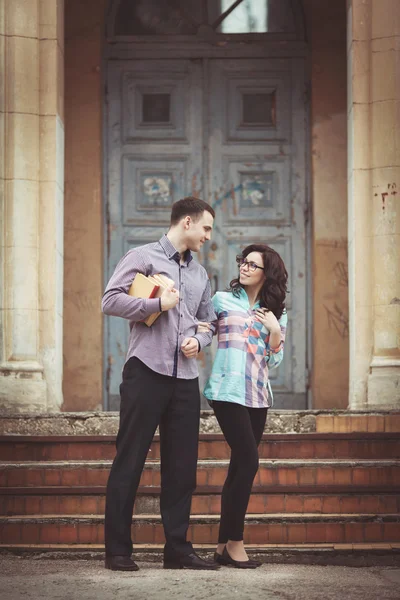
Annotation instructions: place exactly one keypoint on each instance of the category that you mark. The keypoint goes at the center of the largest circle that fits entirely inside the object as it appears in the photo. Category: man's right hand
(169, 298)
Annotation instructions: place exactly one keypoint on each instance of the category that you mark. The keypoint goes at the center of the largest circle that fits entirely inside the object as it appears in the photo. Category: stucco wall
(83, 279)
(326, 25)
(83, 346)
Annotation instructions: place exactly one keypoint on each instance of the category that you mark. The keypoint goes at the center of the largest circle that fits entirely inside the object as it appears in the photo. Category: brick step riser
(150, 533)
(207, 475)
(214, 450)
(340, 423)
(205, 504)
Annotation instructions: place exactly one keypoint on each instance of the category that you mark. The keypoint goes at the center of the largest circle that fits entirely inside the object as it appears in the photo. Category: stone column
(373, 192)
(51, 190)
(31, 170)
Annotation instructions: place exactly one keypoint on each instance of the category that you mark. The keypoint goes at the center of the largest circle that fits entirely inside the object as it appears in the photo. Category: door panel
(155, 158)
(252, 149)
(231, 132)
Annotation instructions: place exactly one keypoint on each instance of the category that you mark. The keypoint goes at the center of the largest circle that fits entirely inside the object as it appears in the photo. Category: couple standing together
(160, 383)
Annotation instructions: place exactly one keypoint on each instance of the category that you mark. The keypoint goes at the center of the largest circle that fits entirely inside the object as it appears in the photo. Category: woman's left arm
(277, 335)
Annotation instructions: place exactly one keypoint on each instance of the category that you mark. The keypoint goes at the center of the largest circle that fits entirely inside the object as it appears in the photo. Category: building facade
(283, 115)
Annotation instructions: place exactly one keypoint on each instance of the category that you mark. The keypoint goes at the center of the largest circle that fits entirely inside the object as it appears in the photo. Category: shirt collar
(172, 252)
(244, 297)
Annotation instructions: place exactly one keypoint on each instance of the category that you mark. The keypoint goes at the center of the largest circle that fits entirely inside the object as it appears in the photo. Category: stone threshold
(279, 421)
(355, 555)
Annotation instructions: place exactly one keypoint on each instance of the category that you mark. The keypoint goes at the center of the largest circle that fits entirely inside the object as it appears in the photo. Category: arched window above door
(206, 19)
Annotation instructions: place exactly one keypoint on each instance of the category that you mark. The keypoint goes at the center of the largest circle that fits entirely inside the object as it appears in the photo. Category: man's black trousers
(149, 399)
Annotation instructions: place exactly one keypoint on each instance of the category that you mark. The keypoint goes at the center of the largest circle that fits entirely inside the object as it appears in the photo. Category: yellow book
(143, 287)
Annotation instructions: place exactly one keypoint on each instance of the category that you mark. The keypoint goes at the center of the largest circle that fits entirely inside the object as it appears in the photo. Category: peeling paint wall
(326, 25)
(83, 237)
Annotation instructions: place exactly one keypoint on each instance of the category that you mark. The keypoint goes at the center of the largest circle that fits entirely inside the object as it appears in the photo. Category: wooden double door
(231, 131)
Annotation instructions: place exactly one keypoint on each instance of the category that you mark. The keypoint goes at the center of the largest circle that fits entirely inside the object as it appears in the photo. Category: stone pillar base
(384, 383)
(22, 388)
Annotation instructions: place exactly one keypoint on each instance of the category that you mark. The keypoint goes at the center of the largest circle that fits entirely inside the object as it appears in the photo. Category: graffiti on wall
(390, 191)
(337, 317)
(342, 274)
(338, 320)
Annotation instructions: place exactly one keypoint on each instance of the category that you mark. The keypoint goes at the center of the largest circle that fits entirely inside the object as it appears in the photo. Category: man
(160, 384)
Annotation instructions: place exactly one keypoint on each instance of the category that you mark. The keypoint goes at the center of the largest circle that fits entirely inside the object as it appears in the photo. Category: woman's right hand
(203, 327)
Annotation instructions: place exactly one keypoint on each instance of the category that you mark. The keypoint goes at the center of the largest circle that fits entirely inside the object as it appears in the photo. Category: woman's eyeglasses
(252, 266)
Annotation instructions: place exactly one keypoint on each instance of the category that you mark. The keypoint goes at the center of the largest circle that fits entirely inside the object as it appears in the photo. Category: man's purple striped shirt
(158, 346)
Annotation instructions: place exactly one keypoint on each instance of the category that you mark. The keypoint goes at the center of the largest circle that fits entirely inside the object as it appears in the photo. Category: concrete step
(318, 473)
(355, 555)
(313, 445)
(259, 529)
(279, 421)
(206, 500)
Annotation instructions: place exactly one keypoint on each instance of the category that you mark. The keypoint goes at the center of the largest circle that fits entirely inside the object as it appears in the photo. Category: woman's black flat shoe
(227, 560)
(218, 558)
(255, 562)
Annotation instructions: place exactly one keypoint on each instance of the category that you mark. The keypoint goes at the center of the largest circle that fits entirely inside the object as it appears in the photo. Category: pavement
(36, 578)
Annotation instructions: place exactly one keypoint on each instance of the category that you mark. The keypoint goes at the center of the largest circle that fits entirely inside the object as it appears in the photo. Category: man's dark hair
(194, 207)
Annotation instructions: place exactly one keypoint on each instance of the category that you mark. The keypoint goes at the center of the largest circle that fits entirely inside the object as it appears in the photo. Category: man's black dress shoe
(190, 561)
(226, 560)
(120, 563)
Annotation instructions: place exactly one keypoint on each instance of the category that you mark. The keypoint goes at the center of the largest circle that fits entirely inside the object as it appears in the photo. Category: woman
(251, 332)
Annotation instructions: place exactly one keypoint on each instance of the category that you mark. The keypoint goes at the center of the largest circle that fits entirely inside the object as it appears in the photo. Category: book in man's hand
(149, 286)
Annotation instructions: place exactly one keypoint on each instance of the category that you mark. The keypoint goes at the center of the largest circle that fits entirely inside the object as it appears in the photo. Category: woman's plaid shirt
(244, 356)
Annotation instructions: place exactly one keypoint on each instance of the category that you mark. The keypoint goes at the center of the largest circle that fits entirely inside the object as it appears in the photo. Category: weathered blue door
(231, 131)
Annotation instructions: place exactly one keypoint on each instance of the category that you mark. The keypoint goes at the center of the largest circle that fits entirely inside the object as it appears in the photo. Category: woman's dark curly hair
(273, 292)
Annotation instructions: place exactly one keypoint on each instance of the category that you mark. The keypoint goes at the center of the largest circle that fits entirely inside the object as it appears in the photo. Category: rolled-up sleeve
(275, 355)
(116, 301)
